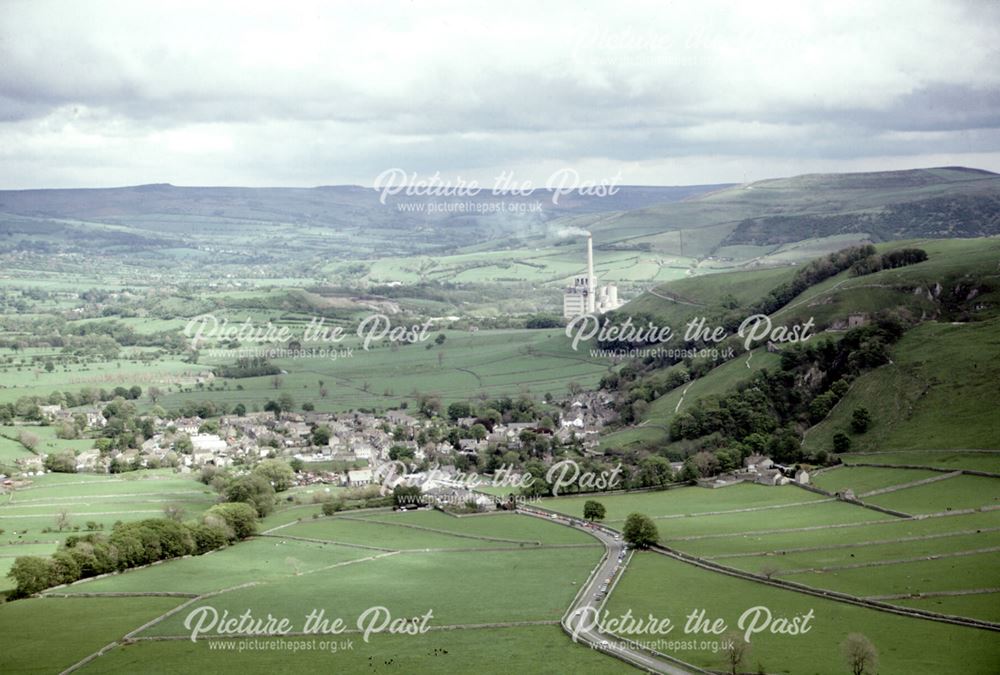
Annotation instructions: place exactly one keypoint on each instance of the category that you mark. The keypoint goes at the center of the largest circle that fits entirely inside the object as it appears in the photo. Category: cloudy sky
(659, 93)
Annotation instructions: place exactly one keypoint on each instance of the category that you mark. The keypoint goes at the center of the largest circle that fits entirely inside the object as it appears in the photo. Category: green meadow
(657, 585)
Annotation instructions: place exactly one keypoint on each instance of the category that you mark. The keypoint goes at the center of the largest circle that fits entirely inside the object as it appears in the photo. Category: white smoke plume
(571, 232)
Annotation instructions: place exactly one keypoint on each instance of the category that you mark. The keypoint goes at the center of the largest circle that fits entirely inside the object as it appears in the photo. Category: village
(339, 449)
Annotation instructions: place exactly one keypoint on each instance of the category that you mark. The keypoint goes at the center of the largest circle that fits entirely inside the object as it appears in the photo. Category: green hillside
(939, 392)
(936, 392)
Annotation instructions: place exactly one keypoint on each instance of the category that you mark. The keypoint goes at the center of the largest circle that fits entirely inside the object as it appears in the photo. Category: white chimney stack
(591, 279)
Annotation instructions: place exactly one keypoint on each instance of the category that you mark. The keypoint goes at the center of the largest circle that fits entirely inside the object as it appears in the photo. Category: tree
(640, 530)
(439, 340)
(321, 435)
(736, 650)
(31, 573)
(400, 452)
(286, 401)
(173, 512)
(28, 440)
(459, 409)
(252, 489)
(860, 654)
(593, 510)
(275, 407)
(61, 462)
(240, 518)
(655, 470)
(841, 443)
(331, 506)
(477, 431)
(689, 472)
(277, 473)
(240, 410)
(861, 419)
(404, 495)
(706, 463)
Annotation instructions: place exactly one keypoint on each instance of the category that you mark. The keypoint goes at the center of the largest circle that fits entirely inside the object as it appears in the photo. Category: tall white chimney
(591, 279)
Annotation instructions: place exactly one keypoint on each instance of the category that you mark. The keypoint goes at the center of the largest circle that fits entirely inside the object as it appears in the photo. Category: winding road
(577, 621)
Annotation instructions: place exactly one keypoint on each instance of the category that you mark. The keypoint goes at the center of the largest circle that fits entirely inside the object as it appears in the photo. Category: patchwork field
(536, 649)
(30, 624)
(523, 589)
(946, 459)
(685, 501)
(495, 363)
(789, 533)
(984, 606)
(959, 492)
(30, 517)
(866, 479)
(666, 588)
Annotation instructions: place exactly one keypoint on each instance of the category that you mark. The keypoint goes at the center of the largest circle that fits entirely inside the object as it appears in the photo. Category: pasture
(951, 494)
(542, 649)
(684, 501)
(945, 459)
(31, 516)
(866, 479)
(668, 588)
(467, 583)
(467, 365)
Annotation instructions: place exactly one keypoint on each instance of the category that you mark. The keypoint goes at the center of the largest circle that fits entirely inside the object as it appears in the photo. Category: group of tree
(247, 366)
(765, 414)
(131, 545)
(887, 261)
(284, 403)
(256, 488)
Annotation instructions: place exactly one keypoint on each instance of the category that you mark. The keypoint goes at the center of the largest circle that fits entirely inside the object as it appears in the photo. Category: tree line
(131, 545)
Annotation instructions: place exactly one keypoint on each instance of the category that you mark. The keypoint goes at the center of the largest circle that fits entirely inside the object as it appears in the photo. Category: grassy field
(35, 381)
(671, 589)
(260, 560)
(797, 535)
(89, 498)
(494, 363)
(83, 626)
(961, 492)
(865, 479)
(937, 394)
(535, 649)
(501, 526)
(290, 577)
(946, 574)
(946, 459)
(764, 541)
(394, 531)
(11, 450)
(984, 606)
(684, 501)
(410, 584)
(48, 442)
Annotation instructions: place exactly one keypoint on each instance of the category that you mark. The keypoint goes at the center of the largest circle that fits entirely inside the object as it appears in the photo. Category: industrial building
(585, 296)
